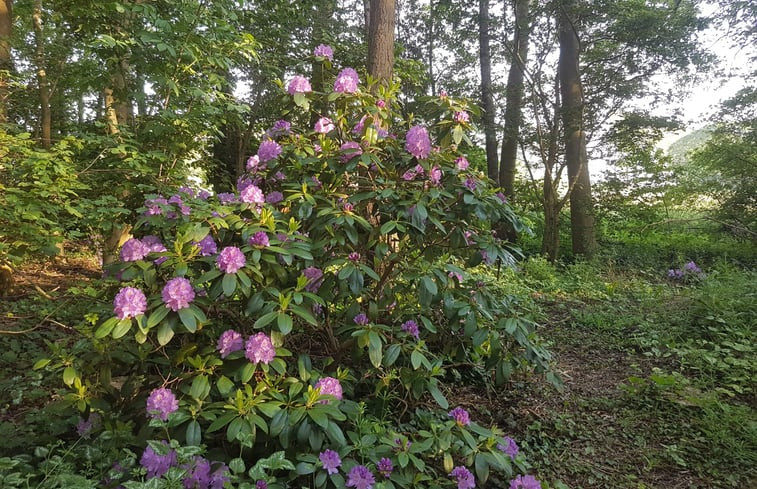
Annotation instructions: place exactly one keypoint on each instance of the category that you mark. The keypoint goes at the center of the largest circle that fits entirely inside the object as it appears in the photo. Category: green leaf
(194, 433)
(122, 327)
(106, 327)
(391, 354)
(200, 387)
(165, 333)
(41, 363)
(265, 320)
(284, 323)
(356, 281)
(157, 316)
(69, 375)
(433, 388)
(229, 284)
(188, 319)
(224, 385)
(375, 348)
(221, 421)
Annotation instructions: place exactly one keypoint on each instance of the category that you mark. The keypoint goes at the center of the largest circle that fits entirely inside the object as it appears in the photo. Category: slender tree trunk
(514, 98)
(381, 40)
(487, 98)
(552, 203)
(571, 91)
(550, 241)
(430, 47)
(6, 29)
(42, 83)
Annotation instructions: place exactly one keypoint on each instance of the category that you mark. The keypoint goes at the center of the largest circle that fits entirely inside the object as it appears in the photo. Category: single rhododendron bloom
(260, 239)
(129, 302)
(207, 246)
(133, 250)
(252, 195)
(462, 163)
(268, 150)
(330, 460)
(509, 447)
(178, 293)
(324, 125)
(324, 51)
(460, 416)
(360, 477)
(230, 259)
(411, 327)
(229, 342)
(461, 117)
(329, 386)
(350, 150)
(315, 277)
(346, 81)
(161, 403)
(417, 142)
(299, 84)
(259, 349)
(465, 479)
(157, 465)
(385, 467)
(525, 482)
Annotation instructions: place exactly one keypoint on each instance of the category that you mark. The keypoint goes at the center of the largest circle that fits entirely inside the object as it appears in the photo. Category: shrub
(300, 328)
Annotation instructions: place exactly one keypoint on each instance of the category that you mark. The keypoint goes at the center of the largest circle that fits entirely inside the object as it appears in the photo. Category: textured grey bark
(487, 99)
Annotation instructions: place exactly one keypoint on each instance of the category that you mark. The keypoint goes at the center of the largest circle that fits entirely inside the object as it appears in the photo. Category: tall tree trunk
(42, 84)
(571, 91)
(487, 97)
(381, 40)
(514, 98)
(6, 29)
(430, 47)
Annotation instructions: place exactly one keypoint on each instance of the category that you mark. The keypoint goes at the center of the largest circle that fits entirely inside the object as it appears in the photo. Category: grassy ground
(659, 379)
(659, 374)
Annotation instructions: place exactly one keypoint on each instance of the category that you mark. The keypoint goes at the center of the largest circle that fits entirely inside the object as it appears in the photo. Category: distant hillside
(681, 147)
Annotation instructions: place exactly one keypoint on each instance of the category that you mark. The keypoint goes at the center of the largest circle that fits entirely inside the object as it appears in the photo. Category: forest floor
(633, 413)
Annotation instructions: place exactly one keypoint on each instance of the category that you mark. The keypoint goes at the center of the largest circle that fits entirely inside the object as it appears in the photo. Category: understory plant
(297, 331)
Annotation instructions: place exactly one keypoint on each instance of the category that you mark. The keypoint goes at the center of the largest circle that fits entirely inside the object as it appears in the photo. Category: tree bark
(571, 92)
(6, 29)
(487, 98)
(42, 83)
(514, 98)
(381, 40)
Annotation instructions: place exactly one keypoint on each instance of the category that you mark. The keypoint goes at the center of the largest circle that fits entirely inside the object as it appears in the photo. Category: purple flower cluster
(252, 194)
(154, 206)
(417, 142)
(299, 84)
(259, 348)
(412, 173)
(385, 467)
(354, 257)
(84, 427)
(360, 477)
(361, 319)
(462, 163)
(525, 482)
(329, 386)
(324, 125)
(509, 447)
(229, 342)
(268, 150)
(350, 149)
(280, 128)
(346, 81)
(199, 475)
(461, 117)
(227, 197)
(411, 327)
(133, 250)
(129, 302)
(315, 278)
(260, 238)
(330, 460)
(154, 245)
(465, 479)
(470, 184)
(435, 175)
(230, 259)
(207, 246)
(177, 293)
(274, 197)
(160, 403)
(324, 51)
(460, 415)
(156, 464)
(688, 269)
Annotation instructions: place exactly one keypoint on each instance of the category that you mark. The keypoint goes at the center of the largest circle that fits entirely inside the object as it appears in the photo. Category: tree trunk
(487, 99)
(381, 40)
(42, 84)
(430, 47)
(6, 29)
(550, 241)
(571, 91)
(514, 98)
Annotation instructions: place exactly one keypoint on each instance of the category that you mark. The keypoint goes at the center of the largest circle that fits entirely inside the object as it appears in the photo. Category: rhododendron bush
(298, 330)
